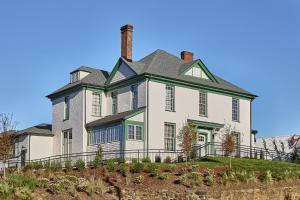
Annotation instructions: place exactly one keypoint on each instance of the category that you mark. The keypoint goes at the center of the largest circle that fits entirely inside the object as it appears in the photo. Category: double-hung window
(203, 104)
(135, 132)
(114, 96)
(66, 108)
(134, 96)
(170, 98)
(96, 104)
(67, 141)
(169, 132)
(235, 110)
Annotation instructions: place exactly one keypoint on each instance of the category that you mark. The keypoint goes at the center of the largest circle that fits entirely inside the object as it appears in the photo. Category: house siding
(187, 107)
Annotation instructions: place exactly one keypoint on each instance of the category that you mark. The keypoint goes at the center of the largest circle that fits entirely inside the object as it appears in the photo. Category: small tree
(187, 138)
(7, 126)
(5, 149)
(228, 141)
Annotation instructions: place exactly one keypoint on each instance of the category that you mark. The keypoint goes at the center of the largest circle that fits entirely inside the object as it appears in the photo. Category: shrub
(180, 159)
(98, 161)
(47, 165)
(80, 165)
(153, 169)
(164, 176)
(37, 165)
(68, 165)
(137, 167)
(43, 182)
(71, 178)
(22, 181)
(24, 193)
(157, 159)
(169, 168)
(121, 160)
(55, 188)
(28, 167)
(6, 190)
(146, 160)
(110, 165)
(134, 160)
(56, 166)
(96, 187)
(168, 159)
(282, 175)
(209, 177)
(139, 180)
(124, 169)
(191, 179)
(266, 177)
(82, 184)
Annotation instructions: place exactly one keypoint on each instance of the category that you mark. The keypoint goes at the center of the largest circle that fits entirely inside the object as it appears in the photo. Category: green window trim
(134, 123)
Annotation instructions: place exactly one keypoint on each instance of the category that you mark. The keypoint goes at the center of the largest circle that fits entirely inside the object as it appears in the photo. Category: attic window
(75, 77)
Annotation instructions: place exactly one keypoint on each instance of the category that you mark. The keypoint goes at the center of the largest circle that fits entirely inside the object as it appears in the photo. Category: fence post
(138, 155)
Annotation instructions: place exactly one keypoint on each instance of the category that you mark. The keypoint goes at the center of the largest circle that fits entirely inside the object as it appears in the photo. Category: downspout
(251, 129)
(29, 138)
(148, 116)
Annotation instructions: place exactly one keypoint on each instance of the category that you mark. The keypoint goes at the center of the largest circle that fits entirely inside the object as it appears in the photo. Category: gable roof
(161, 64)
(40, 129)
(96, 78)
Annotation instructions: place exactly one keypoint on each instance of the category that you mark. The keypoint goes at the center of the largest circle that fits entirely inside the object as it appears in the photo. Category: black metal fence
(208, 149)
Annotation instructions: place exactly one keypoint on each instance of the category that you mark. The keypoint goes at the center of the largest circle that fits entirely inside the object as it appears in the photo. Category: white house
(144, 104)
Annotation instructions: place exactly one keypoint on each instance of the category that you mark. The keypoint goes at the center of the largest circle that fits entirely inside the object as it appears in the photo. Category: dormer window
(75, 76)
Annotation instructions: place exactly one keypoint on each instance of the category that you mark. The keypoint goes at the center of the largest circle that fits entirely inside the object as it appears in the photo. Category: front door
(67, 142)
(201, 141)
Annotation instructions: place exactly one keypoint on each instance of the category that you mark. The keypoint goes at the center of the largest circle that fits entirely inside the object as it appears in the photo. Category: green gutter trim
(206, 124)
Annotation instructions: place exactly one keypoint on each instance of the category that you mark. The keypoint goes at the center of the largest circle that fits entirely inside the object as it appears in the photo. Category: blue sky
(254, 44)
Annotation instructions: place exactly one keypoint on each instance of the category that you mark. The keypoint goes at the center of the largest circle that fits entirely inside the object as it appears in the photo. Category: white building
(144, 104)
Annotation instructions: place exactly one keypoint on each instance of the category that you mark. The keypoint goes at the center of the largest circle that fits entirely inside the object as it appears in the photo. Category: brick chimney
(126, 41)
(187, 56)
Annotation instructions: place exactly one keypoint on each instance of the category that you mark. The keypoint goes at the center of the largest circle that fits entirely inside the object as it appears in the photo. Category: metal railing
(217, 149)
(208, 149)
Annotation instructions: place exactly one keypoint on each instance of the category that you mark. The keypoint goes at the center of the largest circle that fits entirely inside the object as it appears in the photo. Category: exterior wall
(135, 120)
(89, 102)
(40, 146)
(187, 107)
(75, 122)
(123, 73)
(124, 98)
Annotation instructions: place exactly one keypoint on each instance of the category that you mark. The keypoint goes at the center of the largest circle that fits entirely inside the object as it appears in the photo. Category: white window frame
(68, 142)
(96, 104)
(169, 138)
(134, 134)
(203, 104)
(235, 110)
(75, 77)
(170, 98)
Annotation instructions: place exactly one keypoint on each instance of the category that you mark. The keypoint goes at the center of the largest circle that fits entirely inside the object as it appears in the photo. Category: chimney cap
(128, 27)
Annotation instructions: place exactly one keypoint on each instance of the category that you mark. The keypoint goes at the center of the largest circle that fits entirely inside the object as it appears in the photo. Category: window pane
(138, 135)
(134, 93)
(130, 132)
(114, 102)
(170, 98)
(169, 136)
(235, 109)
(202, 103)
(67, 108)
(96, 104)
